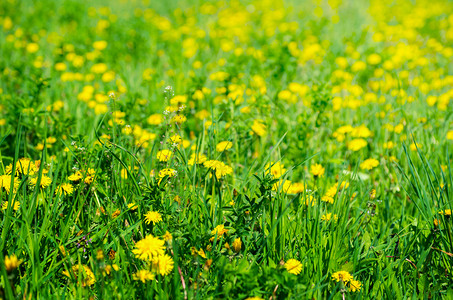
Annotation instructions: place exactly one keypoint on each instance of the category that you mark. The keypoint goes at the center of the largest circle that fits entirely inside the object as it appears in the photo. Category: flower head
(223, 146)
(219, 230)
(237, 245)
(11, 262)
(317, 170)
(342, 276)
(357, 144)
(446, 212)
(15, 206)
(220, 168)
(167, 172)
(163, 264)
(355, 285)
(369, 164)
(176, 139)
(197, 159)
(450, 135)
(164, 155)
(76, 176)
(5, 182)
(276, 169)
(65, 188)
(259, 128)
(149, 248)
(167, 236)
(179, 119)
(24, 166)
(293, 266)
(143, 275)
(329, 216)
(153, 216)
(82, 271)
(45, 181)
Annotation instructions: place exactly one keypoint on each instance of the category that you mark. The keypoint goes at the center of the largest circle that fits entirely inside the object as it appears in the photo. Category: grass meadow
(226, 149)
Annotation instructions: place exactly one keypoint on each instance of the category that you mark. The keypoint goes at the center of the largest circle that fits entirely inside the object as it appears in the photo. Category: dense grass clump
(226, 149)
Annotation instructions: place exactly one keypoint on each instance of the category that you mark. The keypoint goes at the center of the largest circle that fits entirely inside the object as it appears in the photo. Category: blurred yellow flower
(276, 169)
(143, 276)
(357, 144)
(355, 285)
(369, 164)
(259, 128)
(342, 276)
(84, 272)
(11, 262)
(223, 146)
(219, 230)
(65, 189)
(164, 155)
(149, 248)
(162, 264)
(237, 245)
(317, 170)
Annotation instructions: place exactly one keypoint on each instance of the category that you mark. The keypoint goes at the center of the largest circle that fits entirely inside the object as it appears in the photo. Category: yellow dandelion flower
(259, 128)
(164, 155)
(176, 139)
(293, 266)
(415, 146)
(11, 262)
(16, 205)
(149, 248)
(310, 200)
(223, 170)
(369, 164)
(132, 206)
(329, 216)
(153, 216)
(24, 166)
(163, 264)
(355, 285)
(342, 276)
(328, 199)
(167, 236)
(223, 146)
(446, 212)
(155, 119)
(84, 272)
(116, 213)
(167, 172)
(143, 276)
(276, 169)
(179, 119)
(65, 189)
(357, 144)
(197, 159)
(237, 245)
(450, 135)
(45, 181)
(219, 230)
(317, 170)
